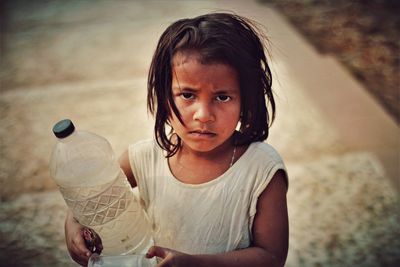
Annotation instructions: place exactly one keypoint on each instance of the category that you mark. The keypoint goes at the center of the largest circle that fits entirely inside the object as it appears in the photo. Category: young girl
(214, 191)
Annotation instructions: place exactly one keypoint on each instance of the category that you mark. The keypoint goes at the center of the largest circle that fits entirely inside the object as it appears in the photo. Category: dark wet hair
(217, 38)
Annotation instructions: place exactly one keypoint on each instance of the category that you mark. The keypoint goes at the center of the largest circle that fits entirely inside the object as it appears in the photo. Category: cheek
(236, 121)
(230, 118)
(172, 116)
(235, 111)
(184, 110)
(175, 122)
(173, 119)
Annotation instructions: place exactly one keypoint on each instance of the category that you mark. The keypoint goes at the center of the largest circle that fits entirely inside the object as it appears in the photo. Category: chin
(205, 147)
(200, 146)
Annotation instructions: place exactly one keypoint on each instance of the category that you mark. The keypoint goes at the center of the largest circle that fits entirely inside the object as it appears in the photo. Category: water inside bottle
(114, 212)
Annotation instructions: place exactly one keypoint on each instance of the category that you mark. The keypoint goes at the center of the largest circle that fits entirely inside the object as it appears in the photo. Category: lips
(202, 133)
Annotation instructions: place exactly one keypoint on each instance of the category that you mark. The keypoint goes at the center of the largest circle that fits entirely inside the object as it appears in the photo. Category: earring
(238, 126)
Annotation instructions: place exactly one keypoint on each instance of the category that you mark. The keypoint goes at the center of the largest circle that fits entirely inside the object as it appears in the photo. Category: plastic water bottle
(120, 261)
(97, 191)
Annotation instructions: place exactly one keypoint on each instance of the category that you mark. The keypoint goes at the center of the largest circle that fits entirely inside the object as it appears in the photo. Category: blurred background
(363, 35)
(336, 76)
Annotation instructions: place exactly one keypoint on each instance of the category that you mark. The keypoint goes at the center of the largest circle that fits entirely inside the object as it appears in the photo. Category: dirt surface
(363, 35)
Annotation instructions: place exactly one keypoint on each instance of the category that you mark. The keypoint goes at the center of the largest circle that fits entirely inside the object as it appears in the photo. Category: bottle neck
(68, 138)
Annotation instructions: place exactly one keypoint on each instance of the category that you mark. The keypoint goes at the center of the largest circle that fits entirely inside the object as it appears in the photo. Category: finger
(167, 261)
(80, 247)
(80, 261)
(78, 255)
(99, 248)
(79, 258)
(156, 251)
(92, 240)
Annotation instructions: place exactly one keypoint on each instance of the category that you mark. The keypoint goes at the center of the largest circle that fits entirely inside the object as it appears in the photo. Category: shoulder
(265, 148)
(130, 161)
(267, 161)
(264, 152)
(143, 147)
(145, 154)
(143, 144)
(141, 151)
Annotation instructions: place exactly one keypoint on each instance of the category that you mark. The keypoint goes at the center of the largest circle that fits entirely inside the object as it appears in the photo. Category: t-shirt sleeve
(273, 163)
(140, 161)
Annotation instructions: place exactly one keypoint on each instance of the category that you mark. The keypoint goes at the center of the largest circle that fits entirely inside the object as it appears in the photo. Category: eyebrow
(194, 90)
(184, 88)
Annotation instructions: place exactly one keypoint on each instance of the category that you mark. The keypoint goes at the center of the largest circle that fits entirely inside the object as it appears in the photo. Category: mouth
(201, 133)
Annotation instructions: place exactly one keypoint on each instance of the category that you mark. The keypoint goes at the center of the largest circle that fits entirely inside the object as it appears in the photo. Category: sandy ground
(88, 62)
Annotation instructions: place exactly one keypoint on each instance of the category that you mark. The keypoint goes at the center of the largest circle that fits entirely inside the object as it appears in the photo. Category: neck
(218, 154)
(198, 167)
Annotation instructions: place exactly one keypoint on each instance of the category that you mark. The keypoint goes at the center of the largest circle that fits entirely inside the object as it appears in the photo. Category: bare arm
(126, 167)
(270, 233)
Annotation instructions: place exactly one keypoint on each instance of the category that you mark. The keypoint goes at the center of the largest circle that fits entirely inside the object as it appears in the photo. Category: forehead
(204, 57)
(189, 70)
(182, 57)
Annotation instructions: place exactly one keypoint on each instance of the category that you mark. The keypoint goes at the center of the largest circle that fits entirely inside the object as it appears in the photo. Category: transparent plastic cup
(120, 261)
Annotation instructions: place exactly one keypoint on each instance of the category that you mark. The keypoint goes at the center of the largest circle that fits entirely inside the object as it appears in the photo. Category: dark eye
(223, 98)
(187, 96)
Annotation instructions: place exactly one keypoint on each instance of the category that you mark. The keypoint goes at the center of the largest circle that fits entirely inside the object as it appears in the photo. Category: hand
(92, 240)
(170, 258)
(78, 239)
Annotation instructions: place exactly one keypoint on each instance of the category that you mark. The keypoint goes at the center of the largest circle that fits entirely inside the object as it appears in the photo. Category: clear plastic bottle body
(120, 261)
(97, 192)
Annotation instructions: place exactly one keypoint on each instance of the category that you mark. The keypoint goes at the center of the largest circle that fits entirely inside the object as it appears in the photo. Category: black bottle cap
(63, 128)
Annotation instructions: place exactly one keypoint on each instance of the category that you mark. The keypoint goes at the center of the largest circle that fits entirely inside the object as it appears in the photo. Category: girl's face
(208, 99)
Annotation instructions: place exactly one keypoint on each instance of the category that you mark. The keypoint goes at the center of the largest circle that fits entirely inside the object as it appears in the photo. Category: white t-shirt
(208, 218)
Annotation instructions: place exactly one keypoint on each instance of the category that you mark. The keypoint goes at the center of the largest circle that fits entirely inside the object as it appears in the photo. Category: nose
(204, 113)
